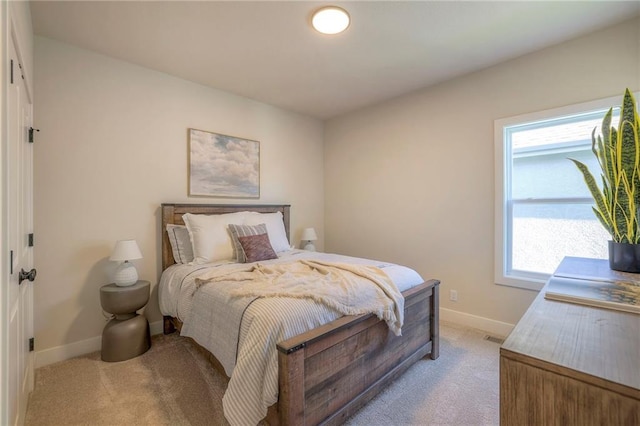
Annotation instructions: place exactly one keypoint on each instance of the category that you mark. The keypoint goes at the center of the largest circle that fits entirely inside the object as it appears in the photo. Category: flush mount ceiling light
(330, 20)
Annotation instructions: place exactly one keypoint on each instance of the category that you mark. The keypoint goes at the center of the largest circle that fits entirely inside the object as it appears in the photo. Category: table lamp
(126, 273)
(309, 235)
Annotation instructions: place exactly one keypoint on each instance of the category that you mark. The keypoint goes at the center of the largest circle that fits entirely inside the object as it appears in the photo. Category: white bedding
(253, 370)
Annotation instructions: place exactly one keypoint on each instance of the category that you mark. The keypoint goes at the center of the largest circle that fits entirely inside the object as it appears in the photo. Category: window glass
(545, 233)
(551, 175)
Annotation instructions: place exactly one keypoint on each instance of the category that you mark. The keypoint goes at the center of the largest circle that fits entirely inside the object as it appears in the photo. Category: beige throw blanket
(348, 288)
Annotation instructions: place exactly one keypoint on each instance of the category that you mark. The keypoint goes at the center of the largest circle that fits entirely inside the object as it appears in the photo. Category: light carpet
(173, 384)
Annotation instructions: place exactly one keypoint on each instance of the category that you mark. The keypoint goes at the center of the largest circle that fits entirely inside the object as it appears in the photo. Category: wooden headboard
(172, 213)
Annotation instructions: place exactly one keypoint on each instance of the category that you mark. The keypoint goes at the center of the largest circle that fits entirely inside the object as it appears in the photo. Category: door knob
(23, 275)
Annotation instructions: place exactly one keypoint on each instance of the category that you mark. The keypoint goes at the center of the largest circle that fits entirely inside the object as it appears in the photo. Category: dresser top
(598, 342)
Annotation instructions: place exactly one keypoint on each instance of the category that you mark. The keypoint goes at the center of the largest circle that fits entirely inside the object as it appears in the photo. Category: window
(543, 207)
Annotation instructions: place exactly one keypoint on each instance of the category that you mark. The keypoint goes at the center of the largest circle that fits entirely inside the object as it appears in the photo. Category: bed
(326, 374)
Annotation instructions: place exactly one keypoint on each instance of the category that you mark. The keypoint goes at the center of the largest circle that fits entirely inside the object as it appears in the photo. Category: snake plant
(617, 204)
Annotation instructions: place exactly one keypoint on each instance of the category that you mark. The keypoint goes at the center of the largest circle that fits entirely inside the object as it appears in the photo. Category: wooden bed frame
(328, 373)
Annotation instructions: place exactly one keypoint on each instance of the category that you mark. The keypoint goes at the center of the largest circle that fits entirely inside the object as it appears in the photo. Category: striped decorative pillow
(244, 231)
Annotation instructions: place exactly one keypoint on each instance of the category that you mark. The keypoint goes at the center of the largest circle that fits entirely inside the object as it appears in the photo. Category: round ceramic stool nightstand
(127, 334)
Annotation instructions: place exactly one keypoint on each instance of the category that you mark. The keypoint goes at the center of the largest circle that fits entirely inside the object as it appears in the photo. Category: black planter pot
(624, 257)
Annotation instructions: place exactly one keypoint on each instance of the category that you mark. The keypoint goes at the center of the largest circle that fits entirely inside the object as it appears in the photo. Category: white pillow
(209, 236)
(180, 243)
(275, 228)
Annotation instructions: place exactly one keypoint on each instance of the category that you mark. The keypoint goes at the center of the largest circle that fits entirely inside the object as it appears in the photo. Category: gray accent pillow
(243, 231)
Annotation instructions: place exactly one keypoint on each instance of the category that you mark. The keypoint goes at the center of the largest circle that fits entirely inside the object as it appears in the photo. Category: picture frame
(223, 166)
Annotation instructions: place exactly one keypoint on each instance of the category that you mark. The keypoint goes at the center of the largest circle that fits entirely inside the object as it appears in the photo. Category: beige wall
(112, 147)
(412, 180)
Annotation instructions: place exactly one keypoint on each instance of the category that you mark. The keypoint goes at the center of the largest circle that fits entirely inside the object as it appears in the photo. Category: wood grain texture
(348, 361)
(291, 378)
(535, 396)
(571, 364)
(328, 373)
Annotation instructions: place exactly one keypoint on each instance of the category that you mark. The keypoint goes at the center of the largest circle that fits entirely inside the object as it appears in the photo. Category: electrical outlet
(453, 295)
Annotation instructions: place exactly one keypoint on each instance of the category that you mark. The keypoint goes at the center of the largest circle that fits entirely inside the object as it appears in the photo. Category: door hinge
(31, 129)
(32, 344)
(12, 71)
(30, 240)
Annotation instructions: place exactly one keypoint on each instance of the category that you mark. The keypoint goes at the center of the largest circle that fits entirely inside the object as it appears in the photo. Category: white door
(19, 166)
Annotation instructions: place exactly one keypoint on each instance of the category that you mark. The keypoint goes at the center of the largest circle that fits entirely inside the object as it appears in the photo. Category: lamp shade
(126, 250)
(309, 234)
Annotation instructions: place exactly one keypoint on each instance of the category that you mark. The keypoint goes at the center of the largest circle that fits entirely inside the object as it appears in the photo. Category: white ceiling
(266, 50)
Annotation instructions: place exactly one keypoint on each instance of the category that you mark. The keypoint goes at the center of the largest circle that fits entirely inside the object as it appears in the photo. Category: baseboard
(83, 347)
(156, 327)
(64, 352)
(496, 328)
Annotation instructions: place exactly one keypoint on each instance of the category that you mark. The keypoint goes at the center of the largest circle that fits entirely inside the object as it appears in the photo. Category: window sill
(532, 284)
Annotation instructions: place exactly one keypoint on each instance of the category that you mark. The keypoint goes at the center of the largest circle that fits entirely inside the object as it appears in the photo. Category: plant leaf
(602, 207)
(618, 154)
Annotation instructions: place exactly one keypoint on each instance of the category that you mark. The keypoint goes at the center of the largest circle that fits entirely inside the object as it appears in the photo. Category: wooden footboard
(328, 373)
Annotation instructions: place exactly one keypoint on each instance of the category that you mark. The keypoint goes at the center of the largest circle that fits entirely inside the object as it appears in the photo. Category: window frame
(503, 219)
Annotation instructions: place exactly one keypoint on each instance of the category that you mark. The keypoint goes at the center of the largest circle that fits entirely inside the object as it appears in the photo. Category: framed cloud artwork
(223, 166)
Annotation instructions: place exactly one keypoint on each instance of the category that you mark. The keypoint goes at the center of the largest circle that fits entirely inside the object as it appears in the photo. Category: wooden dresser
(569, 364)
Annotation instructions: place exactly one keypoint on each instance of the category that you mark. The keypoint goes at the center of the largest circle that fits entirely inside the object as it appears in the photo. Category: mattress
(244, 337)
